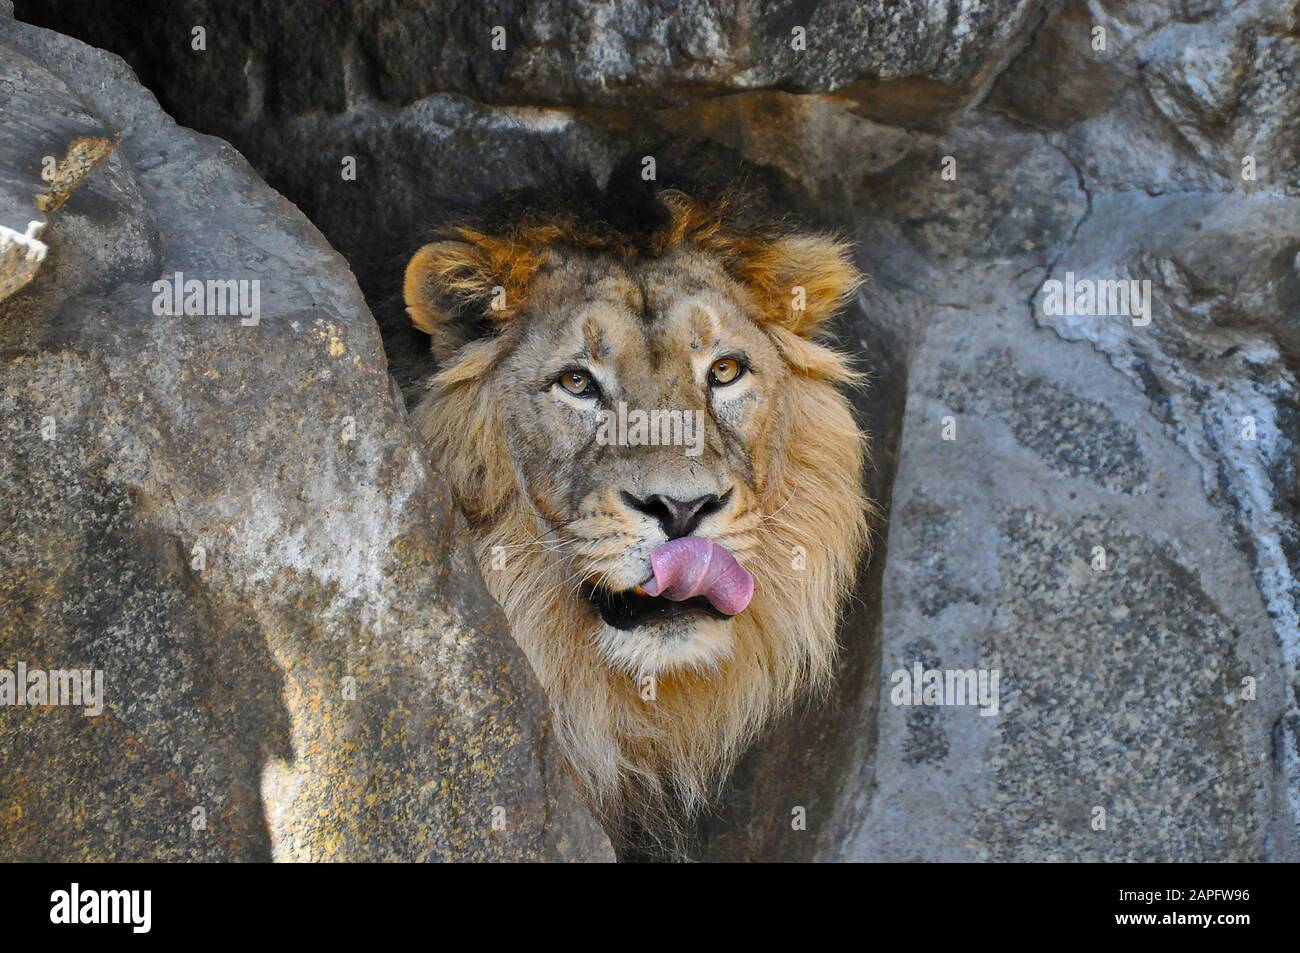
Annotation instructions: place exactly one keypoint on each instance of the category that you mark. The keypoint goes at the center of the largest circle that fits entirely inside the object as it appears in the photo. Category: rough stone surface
(259, 57)
(232, 523)
(975, 152)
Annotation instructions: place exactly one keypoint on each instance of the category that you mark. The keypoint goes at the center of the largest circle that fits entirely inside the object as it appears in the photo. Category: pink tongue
(692, 566)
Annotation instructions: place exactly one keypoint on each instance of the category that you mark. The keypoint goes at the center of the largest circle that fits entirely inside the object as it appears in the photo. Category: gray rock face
(225, 515)
(259, 56)
(1096, 501)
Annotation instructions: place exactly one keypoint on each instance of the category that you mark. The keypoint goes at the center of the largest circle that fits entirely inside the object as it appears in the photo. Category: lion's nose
(677, 517)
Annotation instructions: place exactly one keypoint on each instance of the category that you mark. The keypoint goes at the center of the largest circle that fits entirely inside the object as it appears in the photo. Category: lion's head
(561, 345)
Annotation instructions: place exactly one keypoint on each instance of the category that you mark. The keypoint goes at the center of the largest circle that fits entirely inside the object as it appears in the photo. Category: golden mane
(641, 764)
(467, 263)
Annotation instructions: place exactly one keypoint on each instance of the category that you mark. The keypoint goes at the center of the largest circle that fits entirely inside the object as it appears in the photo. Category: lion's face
(642, 404)
(661, 475)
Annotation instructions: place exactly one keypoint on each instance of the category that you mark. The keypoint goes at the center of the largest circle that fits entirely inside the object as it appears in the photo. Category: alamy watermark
(35, 688)
(651, 428)
(946, 687)
(214, 297)
(1105, 297)
(130, 907)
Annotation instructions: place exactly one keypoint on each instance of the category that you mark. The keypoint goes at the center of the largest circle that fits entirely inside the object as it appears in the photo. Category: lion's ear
(457, 290)
(804, 280)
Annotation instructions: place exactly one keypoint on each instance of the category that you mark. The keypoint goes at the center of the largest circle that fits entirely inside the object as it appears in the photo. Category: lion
(672, 595)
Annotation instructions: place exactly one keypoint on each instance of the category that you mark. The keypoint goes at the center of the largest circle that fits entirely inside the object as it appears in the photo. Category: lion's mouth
(691, 574)
(629, 609)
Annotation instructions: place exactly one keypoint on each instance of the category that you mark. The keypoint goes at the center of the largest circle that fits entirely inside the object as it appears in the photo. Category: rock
(1111, 525)
(1061, 540)
(226, 516)
(51, 146)
(1099, 507)
(1166, 102)
(539, 52)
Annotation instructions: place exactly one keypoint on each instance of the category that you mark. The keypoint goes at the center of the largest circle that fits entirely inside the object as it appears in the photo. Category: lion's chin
(691, 641)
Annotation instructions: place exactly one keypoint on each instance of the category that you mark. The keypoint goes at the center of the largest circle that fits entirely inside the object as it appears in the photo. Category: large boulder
(224, 513)
(1100, 509)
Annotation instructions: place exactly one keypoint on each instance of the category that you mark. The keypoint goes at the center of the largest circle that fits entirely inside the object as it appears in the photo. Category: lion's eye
(578, 383)
(725, 370)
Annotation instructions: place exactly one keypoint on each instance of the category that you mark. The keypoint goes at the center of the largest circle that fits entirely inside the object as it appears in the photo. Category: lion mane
(647, 765)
